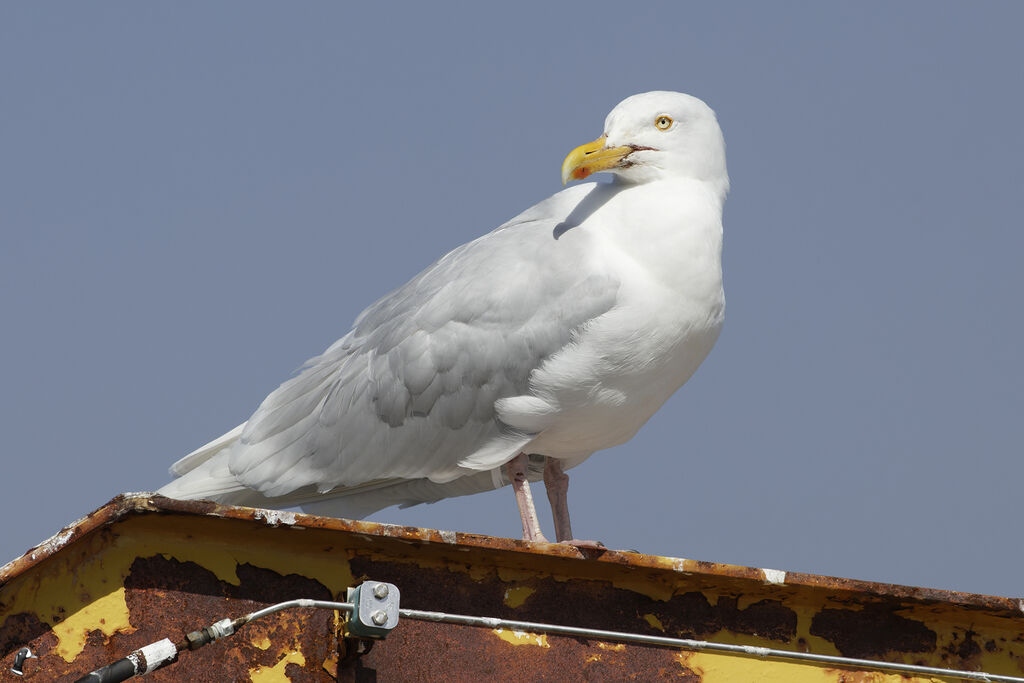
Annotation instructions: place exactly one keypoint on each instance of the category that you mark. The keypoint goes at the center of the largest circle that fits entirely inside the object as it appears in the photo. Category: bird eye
(663, 122)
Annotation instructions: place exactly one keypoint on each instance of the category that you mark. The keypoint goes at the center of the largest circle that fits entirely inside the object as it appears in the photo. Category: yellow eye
(663, 122)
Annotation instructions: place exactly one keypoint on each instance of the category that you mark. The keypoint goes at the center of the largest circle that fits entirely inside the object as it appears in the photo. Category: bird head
(655, 135)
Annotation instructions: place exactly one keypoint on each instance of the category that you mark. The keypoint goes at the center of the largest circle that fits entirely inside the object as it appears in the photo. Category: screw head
(380, 590)
(379, 617)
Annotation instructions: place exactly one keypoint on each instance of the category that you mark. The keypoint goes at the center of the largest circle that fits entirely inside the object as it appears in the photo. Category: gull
(514, 357)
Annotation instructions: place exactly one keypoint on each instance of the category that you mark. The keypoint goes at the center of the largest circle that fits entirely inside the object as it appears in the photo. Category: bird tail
(204, 474)
(205, 453)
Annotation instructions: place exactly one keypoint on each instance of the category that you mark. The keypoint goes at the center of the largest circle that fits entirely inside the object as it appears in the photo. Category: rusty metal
(532, 627)
(144, 567)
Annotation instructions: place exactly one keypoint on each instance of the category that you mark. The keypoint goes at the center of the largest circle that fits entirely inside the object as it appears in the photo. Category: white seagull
(515, 356)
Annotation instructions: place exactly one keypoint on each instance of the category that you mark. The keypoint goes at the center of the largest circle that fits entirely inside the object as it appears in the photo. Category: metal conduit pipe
(373, 612)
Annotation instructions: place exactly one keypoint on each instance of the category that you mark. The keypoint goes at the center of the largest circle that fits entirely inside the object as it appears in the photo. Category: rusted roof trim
(131, 504)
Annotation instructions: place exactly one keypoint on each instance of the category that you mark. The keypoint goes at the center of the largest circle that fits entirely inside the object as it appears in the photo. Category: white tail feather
(205, 452)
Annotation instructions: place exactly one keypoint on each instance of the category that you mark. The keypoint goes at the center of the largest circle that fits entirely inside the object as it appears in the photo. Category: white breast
(598, 391)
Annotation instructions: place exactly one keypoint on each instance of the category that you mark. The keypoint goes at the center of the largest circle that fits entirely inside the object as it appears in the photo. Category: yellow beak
(591, 158)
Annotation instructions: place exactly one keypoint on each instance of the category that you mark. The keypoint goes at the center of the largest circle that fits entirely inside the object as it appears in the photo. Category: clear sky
(196, 197)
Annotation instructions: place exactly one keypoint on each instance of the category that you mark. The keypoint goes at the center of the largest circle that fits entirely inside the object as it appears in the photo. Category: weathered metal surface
(143, 568)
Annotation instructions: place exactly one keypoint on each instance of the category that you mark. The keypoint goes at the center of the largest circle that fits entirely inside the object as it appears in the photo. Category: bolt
(381, 590)
(379, 617)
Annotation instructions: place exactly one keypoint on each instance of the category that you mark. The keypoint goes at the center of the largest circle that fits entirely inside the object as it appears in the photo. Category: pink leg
(556, 482)
(524, 499)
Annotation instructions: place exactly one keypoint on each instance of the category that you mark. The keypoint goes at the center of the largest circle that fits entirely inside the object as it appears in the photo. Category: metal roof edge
(133, 504)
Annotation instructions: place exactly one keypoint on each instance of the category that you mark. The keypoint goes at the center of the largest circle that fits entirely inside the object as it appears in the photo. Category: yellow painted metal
(84, 589)
(718, 669)
(81, 590)
(654, 621)
(517, 595)
(522, 637)
(276, 673)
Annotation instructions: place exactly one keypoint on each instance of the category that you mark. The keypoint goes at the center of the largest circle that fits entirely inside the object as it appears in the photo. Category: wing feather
(410, 392)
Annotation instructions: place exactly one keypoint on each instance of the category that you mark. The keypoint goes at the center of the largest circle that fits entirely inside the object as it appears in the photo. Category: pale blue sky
(196, 197)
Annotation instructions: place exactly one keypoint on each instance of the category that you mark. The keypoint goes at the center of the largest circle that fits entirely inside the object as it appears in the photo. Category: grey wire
(302, 602)
(686, 643)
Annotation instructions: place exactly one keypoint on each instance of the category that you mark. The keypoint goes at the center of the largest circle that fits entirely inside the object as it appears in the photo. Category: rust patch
(21, 629)
(465, 653)
(692, 614)
(127, 505)
(872, 632)
(182, 592)
(845, 676)
(255, 583)
(966, 649)
(766, 619)
(592, 604)
(167, 598)
(471, 574)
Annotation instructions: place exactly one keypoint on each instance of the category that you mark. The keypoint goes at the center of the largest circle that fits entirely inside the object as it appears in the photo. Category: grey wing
(410, 391)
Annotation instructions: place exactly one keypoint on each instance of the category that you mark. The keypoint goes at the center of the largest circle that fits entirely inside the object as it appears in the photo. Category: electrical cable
(163, 652)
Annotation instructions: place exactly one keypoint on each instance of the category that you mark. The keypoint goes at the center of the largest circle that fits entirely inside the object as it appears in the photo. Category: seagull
(514, 357)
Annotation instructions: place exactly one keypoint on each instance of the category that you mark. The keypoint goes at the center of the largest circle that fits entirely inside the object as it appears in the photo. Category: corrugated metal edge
(129, 504)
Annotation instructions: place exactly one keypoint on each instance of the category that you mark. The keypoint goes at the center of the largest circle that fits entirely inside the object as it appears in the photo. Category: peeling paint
(75, 598)
(655, 590)
(330, 664)
(654, 621)
(873, 631)
(522, 637)
(514, 597)
(276, 673)
(512, 575)
(129, 572)
(275, 517)
(56, 541)
(109, 614)
(712, 669)
(81, 591)
(480, 572)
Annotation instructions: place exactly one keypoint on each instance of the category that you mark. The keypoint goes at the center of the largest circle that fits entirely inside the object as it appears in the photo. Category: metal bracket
(19, 661)
(375, 609)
